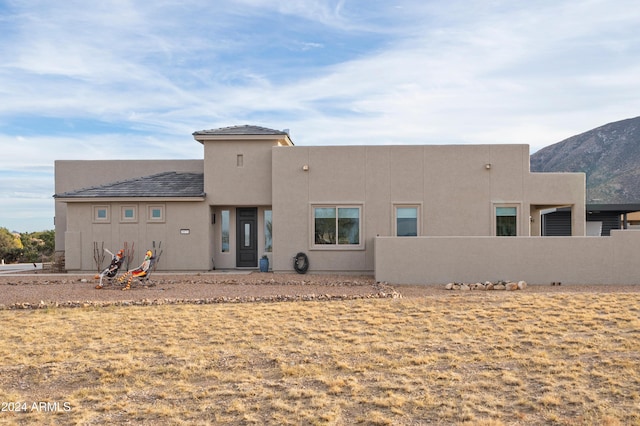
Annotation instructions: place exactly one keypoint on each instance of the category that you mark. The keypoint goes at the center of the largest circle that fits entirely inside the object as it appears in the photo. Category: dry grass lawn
(488, 359)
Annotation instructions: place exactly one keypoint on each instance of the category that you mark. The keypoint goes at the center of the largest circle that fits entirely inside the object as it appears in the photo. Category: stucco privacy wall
(455, 187)
(537, 260)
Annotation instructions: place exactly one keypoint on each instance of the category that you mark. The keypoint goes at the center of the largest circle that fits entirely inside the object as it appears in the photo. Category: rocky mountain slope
(609, 155)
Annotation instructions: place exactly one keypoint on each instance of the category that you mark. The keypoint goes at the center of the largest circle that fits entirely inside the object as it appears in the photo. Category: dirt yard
(28, 291)
(562, 355)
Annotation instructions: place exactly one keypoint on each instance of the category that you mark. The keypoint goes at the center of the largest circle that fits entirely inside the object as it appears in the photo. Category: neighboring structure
(256, 194)
(601, 219)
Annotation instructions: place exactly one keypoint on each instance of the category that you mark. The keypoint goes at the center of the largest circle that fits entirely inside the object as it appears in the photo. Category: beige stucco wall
(181, 251)
(229, 184)
(456, 187)
(71, 175)
(537, 260)
(547, 190)
(76, 230)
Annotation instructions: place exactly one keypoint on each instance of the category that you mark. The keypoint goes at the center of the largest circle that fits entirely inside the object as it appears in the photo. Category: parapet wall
(537, 260)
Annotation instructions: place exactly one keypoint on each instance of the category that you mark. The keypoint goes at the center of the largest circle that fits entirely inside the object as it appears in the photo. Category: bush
(27, 247)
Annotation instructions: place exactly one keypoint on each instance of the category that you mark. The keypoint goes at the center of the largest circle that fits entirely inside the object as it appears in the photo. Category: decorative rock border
(488, 285)
(382, 292)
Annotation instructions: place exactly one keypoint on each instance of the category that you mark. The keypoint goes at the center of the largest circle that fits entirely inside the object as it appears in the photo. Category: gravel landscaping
(23, 291)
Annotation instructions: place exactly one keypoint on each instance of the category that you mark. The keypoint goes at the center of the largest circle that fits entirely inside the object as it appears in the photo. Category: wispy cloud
(112, 79)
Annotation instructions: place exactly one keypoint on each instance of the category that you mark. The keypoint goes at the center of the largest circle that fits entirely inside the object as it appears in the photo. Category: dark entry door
(247, 237)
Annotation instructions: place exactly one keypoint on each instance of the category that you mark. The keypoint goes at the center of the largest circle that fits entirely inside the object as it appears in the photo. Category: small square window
(101, 214)
(156, 213)
(128, 214)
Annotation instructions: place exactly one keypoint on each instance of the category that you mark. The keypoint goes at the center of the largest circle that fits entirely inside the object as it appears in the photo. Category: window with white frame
(337, 226)
(101, 214)
(407, 221)
(155, 213)
(128, 214)
(506, 221)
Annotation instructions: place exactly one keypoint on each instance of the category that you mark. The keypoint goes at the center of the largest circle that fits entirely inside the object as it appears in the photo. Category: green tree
(37, 246)
(10, 246)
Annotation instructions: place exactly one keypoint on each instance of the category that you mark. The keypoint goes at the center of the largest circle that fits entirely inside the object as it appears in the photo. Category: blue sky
(133, 79)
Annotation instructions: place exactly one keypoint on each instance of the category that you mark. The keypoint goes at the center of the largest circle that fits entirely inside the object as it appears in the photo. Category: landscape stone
(511, 286)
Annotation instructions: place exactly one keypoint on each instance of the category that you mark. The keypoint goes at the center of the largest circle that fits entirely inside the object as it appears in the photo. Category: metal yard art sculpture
(112, 270)
(141, 273)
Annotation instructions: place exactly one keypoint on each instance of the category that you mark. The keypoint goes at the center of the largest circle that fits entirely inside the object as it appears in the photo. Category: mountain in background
(609, 156)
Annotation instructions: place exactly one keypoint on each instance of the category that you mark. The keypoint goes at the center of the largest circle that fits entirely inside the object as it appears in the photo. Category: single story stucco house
(413, 214)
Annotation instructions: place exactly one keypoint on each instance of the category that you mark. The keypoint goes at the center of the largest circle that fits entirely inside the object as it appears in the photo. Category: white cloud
(334, 72)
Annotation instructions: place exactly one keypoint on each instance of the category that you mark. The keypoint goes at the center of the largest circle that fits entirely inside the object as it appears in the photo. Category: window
(225, 231)
(407, 221)
(101, 214)
(268, 232)
(247, 235)
(336, 226)
(506, 221)
(156, 213)
(127, 214)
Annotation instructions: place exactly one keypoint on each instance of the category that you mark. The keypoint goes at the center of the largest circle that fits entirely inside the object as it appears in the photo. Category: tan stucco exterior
(536, 260)
(455, 190)
(455, 187)
(76, 231)
(238, 174)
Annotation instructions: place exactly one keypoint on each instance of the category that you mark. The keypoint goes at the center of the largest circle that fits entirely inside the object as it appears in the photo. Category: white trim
(99, 207)
(123, 210)
(150, 208)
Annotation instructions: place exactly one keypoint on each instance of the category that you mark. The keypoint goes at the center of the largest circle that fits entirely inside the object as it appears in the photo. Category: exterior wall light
(305, 167)
(487, 166)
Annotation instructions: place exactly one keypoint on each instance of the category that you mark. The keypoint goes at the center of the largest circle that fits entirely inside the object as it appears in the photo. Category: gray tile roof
(167, 184)
(241, 130)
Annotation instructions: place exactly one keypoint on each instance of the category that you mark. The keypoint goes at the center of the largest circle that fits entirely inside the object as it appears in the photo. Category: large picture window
(506, 221)
(336, 226)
